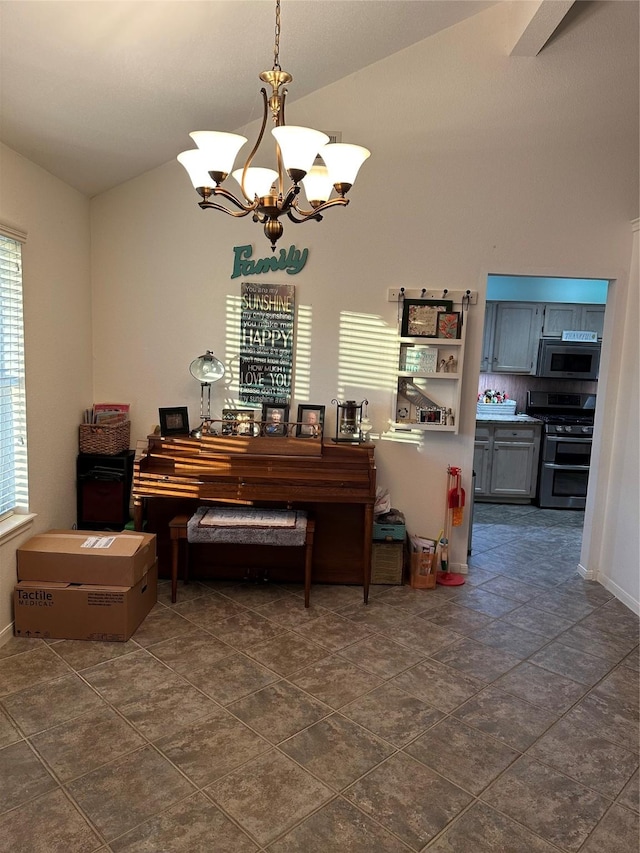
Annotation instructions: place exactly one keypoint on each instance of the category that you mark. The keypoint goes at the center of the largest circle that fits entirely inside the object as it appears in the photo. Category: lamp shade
(257, 181)
(220, 149)
(317, 184)
(195, 163)
(343, 161)
(206, 368)
(299, 146)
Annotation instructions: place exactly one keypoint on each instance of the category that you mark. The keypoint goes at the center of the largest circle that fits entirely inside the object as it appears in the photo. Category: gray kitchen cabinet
(559, 317)
(506, 461)
(517, 331)
(482, 460)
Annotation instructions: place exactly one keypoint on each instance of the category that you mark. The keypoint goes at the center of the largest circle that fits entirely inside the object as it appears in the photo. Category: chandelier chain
(276, 49)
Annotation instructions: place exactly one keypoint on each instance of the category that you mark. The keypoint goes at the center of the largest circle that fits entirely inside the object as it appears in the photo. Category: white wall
(481, 164)
(611, 543)
(57, 318)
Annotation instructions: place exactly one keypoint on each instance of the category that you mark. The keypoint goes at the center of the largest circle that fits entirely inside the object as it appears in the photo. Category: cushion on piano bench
(248, 526)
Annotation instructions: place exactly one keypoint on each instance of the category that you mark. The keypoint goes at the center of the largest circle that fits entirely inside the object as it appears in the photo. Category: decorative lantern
(349, 421)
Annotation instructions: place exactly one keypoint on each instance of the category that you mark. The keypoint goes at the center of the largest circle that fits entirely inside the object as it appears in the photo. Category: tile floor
(497, 716)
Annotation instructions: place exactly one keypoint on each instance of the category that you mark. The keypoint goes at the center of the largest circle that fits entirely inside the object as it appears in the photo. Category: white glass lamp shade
(317, 184)
(257, 181)
(343, 161)
(299, 146)
(195, 164)
(220, 149)
(206, 368)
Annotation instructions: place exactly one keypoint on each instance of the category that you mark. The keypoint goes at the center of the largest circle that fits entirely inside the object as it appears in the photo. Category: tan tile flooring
(500, 716)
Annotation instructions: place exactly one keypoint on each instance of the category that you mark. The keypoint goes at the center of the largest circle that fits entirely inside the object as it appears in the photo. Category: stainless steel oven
(565, 456)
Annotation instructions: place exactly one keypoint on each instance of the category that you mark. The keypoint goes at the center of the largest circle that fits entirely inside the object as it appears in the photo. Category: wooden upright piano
(335, 482)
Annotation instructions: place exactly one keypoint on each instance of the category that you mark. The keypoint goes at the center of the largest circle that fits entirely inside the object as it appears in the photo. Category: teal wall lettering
(291, 261)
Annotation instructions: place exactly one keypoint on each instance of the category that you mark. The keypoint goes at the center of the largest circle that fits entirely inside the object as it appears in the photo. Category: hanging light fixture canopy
(263, 190)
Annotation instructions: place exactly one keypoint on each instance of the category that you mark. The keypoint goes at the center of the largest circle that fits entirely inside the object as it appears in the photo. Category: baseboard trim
(6, 634)
(619, 593)
(586, 574)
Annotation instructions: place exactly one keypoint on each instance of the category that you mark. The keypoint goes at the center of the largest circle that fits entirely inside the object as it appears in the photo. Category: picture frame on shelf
(238, 422)
(420, 317)
(449, 325)
(275, 419)
(310, 421)
(174, 420)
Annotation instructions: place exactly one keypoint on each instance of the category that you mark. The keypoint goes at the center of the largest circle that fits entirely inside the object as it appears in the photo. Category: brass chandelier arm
(314, 212)
(210, 205)
(249, 160)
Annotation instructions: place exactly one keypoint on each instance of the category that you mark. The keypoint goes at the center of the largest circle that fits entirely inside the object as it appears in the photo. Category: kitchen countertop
(506, 419)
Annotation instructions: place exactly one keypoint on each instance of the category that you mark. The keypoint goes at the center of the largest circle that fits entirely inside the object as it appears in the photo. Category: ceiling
(99, 92)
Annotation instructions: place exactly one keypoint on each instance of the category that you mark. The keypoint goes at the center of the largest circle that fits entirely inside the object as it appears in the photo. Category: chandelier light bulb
(317, 184)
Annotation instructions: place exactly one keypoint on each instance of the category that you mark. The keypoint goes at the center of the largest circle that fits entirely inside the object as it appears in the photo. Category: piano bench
(179, 531)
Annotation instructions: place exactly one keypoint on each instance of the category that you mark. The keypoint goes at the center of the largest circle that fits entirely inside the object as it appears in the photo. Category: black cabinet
(103, 488)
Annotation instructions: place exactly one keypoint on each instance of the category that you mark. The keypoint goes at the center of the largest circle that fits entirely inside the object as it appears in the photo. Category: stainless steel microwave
(568, 360)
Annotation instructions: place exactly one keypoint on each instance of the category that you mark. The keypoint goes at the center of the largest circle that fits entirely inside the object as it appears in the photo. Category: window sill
(15, 525)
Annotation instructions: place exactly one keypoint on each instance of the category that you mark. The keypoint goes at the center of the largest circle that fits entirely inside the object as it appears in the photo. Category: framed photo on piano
(174, 421)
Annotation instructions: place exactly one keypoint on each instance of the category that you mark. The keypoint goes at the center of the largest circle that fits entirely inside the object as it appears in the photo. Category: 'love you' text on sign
(266, 342)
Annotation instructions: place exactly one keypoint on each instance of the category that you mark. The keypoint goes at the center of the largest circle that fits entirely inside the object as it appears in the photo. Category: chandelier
(263, 190)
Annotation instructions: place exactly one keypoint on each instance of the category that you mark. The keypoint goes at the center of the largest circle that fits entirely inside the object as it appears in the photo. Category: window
(13, 422)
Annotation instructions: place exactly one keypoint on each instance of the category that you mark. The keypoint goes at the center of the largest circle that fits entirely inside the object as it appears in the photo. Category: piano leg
(367, 549)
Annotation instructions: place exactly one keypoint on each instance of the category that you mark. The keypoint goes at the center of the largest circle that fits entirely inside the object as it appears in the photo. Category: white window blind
(13, 423)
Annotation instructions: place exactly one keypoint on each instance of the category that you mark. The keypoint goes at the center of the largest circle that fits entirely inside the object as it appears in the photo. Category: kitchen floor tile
(36, 666)
(630, 796)
(74, 748)
(541, 687)
(231, 678)
(462, 755)
(246, 630)
(477, 659)
(49, 824)
(286, 653)
(462, 620)
(618, 832)
(45, 705)
(8, 731)
(553, 806)
(409, 799)
(392, 714)
(338, 827)
(188, 827)
(586, 757)
(208, 749)
(438, 685)
(81, 654)
(508, 638)
(335, 681)
(269, 796)
(571, 663)
(22, 776)
(381, 656)
(190, 651)
(128, 791)
(506, 718)
(279, 711)
(333, 632)
(337, 750)
(481, 829)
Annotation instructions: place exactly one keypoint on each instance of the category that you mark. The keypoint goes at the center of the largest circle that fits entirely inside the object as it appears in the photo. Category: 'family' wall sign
(291, 261)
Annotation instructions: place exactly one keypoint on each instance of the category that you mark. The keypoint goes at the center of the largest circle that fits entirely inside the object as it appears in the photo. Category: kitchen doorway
(521, 311)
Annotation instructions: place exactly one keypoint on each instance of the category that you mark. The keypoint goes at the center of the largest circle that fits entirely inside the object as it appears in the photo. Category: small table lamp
(207, 369)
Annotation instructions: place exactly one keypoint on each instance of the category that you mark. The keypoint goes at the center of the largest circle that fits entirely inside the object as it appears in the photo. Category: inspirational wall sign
(266, 342)
(291, 261)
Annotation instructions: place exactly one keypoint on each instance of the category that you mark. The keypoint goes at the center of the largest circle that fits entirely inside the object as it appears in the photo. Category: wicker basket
(107, 439)
(387, 562)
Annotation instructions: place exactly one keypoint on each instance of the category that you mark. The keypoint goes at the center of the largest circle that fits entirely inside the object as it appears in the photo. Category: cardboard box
(66, 611)
(87, 557)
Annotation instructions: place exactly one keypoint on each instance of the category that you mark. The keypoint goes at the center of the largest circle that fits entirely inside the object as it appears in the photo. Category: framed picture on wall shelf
(174, 420)
(449, 324)
(310, 421)
(420, 317)
(275, 419)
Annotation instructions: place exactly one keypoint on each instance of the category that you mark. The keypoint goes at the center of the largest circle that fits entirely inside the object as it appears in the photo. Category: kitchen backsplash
(516, 387)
